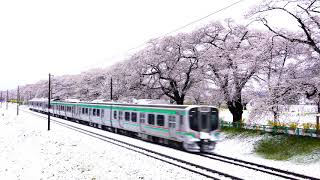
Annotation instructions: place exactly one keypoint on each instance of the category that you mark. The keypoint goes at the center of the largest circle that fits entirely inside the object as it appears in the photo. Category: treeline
(221, 63)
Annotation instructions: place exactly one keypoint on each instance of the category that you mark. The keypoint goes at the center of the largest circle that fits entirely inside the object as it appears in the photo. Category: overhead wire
(166, 34)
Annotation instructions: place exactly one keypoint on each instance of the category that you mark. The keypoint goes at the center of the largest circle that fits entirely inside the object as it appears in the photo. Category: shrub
(308, 126)
(293, 125)
(276, 124)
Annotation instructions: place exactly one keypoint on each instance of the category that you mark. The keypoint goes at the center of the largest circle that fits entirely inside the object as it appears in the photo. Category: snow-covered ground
(242, 147)
(303, 114)
(29, 151)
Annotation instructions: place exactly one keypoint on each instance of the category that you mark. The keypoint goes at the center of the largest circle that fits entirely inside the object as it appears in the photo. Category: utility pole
(111, 89)
(18, 99)
(49, 99)
(7, 99)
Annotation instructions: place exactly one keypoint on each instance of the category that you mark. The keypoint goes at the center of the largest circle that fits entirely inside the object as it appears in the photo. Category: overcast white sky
(71, 36)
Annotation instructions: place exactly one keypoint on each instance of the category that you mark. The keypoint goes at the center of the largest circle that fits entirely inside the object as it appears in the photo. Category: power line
(200, 19)
(175, 30)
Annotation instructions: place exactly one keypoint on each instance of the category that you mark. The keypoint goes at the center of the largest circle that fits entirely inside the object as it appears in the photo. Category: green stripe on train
(138, 109)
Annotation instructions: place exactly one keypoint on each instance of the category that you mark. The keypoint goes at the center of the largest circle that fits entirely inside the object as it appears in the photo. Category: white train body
(194, 127)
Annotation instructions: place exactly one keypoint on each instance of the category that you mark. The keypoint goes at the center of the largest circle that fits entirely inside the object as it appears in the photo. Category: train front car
(204, 124)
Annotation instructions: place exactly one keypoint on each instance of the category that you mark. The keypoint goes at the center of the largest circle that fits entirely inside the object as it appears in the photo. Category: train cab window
(98, 112)
(134, 117)
(214, 120)
(142, 117)
(120, 115)
(160, 120)
(151, 119)
(193, 119)
(115, 114)
(127, 116)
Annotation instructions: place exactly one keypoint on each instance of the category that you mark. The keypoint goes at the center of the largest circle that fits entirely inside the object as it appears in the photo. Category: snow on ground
(295, 115)
(242, 147)
(29, 151)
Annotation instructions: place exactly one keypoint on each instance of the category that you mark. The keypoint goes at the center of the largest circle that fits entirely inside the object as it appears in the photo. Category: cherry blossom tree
(233, 54)
(305, 12)
(171, 64)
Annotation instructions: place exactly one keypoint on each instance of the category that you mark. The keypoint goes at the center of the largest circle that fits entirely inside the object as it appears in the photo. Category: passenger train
(195, 128)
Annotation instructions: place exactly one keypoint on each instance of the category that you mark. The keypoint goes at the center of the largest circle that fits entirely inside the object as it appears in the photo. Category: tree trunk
(179, 99)
(236, 109)
(319, 103)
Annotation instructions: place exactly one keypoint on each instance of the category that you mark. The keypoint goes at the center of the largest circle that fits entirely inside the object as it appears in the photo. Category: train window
(94, 112)
(142, 117)
(127, 116)
(102, 113)
(90, 111)
(87, 111)
(134, 117)
(98, 112)
(151, 119)
(115, 114)
(160, 120)
(83, 110)
(120, 115)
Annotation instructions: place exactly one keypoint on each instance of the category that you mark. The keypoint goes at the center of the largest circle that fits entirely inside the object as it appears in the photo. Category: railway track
(201, 170)
(258, 167)
(189, 166)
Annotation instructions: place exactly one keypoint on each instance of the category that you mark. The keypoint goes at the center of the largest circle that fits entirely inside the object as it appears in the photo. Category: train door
(121, 119)
(204, 117)
(102, 117)
(172, 126)
(142, 120)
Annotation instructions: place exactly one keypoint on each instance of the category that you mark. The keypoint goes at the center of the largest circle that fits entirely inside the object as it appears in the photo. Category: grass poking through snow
(283, 147)
(278, 147)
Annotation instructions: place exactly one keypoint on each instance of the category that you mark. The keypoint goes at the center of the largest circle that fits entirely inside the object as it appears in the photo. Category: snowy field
(29, 151)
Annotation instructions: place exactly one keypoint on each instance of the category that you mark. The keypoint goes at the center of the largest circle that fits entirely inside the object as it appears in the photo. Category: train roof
(168, 106)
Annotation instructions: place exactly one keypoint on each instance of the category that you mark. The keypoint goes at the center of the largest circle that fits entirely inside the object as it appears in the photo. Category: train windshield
(203, 119)
(214, 119)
